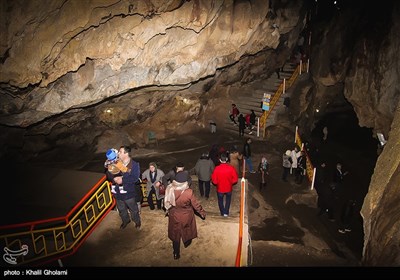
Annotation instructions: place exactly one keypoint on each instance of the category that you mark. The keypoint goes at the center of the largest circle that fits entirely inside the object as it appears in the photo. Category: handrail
(278, 93)
(309, 166)
(51, 239)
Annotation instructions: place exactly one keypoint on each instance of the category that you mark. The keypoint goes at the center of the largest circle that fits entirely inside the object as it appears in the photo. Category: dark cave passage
(356, 149)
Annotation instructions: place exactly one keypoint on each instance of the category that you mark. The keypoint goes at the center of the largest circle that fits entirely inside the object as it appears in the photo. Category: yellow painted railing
(286, 84)
(47, 240)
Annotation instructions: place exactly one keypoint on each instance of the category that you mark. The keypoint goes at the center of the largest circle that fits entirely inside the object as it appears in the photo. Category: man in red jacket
(224, 177)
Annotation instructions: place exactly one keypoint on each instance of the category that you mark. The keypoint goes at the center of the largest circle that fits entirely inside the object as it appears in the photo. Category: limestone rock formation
(62, 55)
(84, 74)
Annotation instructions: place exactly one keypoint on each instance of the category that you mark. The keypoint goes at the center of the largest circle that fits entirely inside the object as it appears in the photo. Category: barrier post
(244, 168)
(301, 65)
(284, 85)
(313, 178)
(241, 221)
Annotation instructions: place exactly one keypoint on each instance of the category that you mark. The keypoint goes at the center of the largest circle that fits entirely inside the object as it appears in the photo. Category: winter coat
(181, 218)
(130, 180)
(224, 177)
(149, 185)
(234, 160)
(204, 168)
(286, 161)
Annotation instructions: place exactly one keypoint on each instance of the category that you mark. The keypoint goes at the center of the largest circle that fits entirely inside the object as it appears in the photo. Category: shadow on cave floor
(296, 220)
(293, 235)
(292, 220)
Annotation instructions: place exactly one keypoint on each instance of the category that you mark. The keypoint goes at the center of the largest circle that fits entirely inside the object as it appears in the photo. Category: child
(114, 168)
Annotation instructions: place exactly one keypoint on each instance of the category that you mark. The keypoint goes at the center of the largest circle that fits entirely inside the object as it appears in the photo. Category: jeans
(201, 188)
(124, 205)
(224, 210)
(249, 163)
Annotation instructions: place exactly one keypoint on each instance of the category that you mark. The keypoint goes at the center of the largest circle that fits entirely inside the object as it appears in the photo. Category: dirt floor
(283, 228)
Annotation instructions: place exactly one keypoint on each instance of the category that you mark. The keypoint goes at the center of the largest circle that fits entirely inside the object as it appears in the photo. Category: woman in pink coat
(180, 203)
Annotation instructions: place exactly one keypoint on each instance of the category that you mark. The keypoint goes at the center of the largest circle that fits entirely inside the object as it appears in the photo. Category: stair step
(252, 100)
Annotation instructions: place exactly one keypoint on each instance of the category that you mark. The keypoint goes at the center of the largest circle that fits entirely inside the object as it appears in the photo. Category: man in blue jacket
(126, 192)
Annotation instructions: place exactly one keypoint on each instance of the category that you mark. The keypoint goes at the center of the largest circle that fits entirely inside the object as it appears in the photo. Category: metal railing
(282, 89)
(47, 240)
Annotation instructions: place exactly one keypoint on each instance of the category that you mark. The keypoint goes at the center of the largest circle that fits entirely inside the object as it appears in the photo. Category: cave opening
(357, 150)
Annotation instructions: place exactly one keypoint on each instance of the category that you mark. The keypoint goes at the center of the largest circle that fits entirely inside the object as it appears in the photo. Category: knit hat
(111, 154)
(181, 177)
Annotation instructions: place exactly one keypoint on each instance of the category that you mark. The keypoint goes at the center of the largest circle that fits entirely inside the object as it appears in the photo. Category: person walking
(181, 203)
(247, 155)
(294, 154)
(301, 168)
(263, 167)
(286, 164)
(338, 177)
(170, 176)
(125, 193)
(224, 177)
(347, 214)
(204, 168)
(235, 158)
(242, 124)
(252, 119)
(153, 177)
(234, 113)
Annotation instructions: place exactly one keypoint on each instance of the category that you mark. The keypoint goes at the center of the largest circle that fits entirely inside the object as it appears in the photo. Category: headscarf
(169, 199)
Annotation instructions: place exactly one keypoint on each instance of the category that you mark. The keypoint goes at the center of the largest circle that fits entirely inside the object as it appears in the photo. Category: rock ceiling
(102, 65)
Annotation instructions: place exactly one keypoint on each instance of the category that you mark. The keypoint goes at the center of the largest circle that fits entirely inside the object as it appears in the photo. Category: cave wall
(117, 68)
(355, 60)
(62, 55)
(381, 208)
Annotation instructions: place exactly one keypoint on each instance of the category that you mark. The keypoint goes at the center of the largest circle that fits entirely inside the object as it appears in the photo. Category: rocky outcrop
(381, 208)
(359, 64)
(118, 68)
(72, 54)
